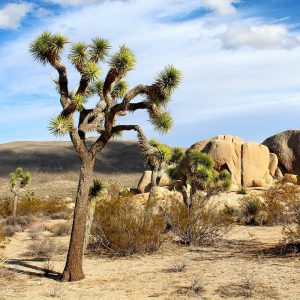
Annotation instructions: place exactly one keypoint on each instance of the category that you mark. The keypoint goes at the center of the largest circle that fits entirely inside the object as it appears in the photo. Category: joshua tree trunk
(15, 204)
(73, 270)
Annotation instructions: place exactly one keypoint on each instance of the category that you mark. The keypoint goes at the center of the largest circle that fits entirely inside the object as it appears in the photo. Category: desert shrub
(252, 211)
(61, 229)
(121, 228)
(22, 221)
(63, 215)
(281, 203)
(36, 231)
(200, 224)
(5, 207)
(45, 248)
(10, 230)
(33, 206)
(243, 191)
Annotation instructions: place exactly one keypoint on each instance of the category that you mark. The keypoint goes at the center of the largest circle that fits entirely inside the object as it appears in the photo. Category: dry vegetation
(210, 261)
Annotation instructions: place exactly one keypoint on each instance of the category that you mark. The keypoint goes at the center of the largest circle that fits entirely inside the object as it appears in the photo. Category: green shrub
(243, 191)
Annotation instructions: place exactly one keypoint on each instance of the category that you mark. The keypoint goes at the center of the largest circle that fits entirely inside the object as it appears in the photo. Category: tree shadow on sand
(24, 266)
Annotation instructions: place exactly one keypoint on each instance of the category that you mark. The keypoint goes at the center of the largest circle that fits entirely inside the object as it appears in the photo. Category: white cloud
(260, 37)
(78, 2)
(222, 7)
(219, 86)
(12, 14)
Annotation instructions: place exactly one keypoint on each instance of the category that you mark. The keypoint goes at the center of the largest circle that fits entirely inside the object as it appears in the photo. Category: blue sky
(240, 61)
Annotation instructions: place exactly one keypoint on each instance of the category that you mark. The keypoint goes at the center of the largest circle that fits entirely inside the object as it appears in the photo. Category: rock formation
(286, 145)
(250, 164)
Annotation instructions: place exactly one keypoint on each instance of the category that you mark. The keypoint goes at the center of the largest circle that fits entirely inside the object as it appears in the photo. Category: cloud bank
(12, 14)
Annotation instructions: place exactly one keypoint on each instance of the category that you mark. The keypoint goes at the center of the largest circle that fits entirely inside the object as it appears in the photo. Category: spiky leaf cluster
(60, 125)
(79, 100)
(120, 89)
(177, 155)
(99, 49)
(159, 97)
(19, 178)
(174, 174)
(197, 158)
(123, 61)
(78, 55)
(97, 188)
(47, 47)
(162, 122)
(97, 87)
(118, 134)
(169, 79)
(91, 71)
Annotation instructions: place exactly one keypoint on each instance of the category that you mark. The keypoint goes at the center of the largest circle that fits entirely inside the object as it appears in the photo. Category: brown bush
(33, 206)
(281, 203)
(61, 229)
(200, 224)
(121, 228)
(45, 248)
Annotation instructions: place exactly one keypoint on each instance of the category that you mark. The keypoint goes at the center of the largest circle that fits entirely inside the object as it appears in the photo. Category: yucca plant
(18, 180)
(114, 99)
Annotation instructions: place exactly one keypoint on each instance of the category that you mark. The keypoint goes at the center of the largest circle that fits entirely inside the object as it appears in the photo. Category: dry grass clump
(11, 225)
(177, 267)
(200, 224)
(122, 228)
(32, 206)
(45, 248)
(195, 288)
(61, 229)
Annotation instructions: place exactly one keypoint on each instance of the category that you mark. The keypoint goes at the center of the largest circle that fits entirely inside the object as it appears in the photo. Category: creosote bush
(45, 248)
(252, 211)
(61, 229)
(33, 206)
(121, 228)
(200, 224)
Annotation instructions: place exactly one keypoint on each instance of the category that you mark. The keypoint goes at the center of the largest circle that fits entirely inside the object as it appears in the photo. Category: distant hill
(55, 165)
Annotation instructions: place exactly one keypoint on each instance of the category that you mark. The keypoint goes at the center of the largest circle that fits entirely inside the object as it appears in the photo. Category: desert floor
(243, 265)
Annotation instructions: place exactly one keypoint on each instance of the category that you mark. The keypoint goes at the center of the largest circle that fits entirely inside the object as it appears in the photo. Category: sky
(240, 61)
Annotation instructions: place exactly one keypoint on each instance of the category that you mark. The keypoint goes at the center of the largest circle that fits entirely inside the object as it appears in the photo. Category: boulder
(144, 183)
(255, 163)
(286, 145)
(224, 150)
(273, 164)
(259, 183)
(246, 162)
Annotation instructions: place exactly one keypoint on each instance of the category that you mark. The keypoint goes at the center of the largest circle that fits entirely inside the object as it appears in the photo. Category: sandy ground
(240, 266)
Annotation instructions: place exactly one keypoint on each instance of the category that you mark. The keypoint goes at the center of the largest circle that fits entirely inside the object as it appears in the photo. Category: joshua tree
(114, 100)
(18, 180)
(199, 175)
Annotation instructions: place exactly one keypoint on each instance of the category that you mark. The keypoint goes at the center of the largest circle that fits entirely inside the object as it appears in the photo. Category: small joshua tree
(200, 176)
(114, 100)
(18, 180)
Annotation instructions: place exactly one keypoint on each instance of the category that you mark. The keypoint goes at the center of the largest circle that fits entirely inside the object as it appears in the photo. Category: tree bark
(73, 270)
(15, 204)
